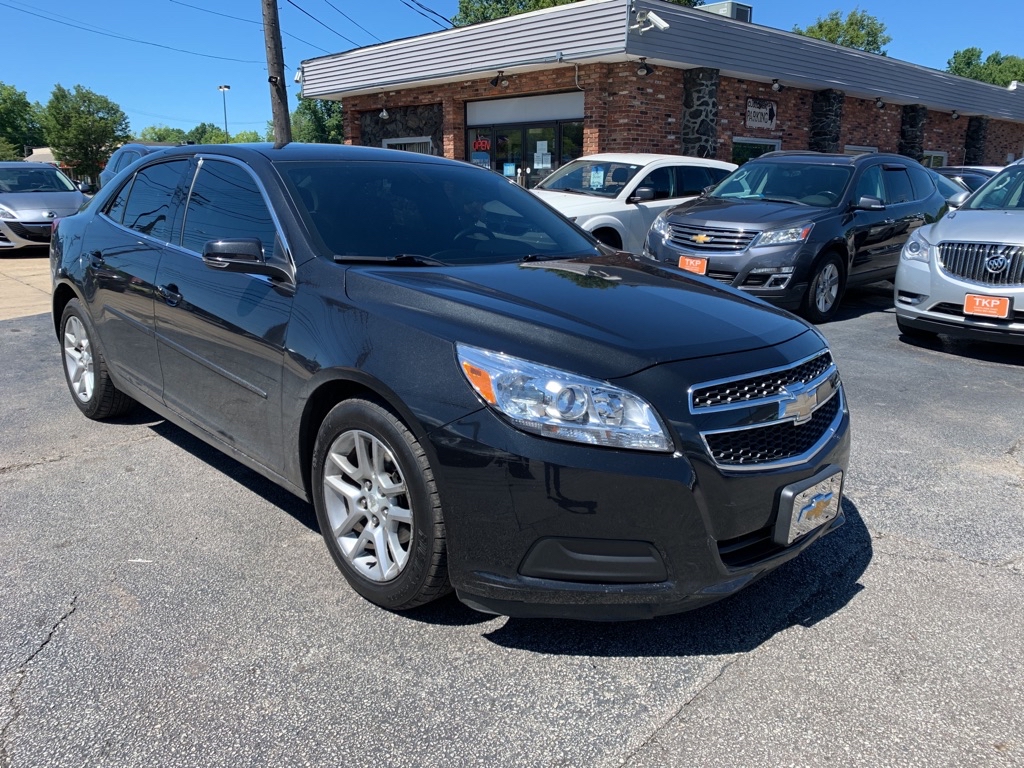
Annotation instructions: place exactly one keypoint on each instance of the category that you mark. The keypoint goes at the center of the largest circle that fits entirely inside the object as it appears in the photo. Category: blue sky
(158, 86)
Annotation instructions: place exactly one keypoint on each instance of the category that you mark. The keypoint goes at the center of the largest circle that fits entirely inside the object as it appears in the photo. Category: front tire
(825, 289)
(378, 507)
(85, 369)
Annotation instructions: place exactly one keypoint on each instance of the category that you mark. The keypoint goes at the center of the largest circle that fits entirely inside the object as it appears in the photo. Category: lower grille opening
(749, 549)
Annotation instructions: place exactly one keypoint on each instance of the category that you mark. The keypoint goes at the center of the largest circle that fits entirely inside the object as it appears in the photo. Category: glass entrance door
(508, 150)
(540, 153)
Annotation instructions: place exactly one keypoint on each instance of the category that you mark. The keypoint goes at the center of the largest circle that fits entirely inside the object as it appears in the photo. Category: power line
(431, 10)
(314, 18)
(39, 14)
(248, 21)
(353, 21)
(421, 13)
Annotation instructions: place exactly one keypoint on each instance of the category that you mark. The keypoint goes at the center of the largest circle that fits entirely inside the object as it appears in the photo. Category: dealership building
(525, 94)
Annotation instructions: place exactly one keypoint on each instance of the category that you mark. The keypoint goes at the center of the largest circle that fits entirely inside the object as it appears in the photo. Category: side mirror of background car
(869, 203)
(242, 254)
(641, 193)
(86, 188)
(958, 199)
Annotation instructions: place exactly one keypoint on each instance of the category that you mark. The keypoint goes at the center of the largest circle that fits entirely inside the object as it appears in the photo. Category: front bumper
(542, 528)
(928, 299)
(24, 234)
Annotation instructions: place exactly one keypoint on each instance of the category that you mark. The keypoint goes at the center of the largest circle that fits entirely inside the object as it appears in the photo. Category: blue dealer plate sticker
(806, 506)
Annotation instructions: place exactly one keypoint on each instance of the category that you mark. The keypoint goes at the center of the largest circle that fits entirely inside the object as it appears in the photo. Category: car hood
(577, 205)
(36, 205)
(605, 316)
(971, 226)
(757, 214)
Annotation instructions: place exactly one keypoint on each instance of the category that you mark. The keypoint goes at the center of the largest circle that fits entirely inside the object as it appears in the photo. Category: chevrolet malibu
(472, 392)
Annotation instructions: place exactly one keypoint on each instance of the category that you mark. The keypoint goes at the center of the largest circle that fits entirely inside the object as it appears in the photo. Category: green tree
(8, 151)
(996, 69)
(19, 120)
(474, 11)
(318, 121)
(162, 133)
(858, 30)
(207, 133)
(83, 128)
(246, 137)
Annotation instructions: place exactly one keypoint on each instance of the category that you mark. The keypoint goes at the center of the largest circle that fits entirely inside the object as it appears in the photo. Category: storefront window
(748, 149)
(525, 153)
(480, 140)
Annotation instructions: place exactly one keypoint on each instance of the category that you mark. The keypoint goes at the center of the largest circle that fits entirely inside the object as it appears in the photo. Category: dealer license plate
(808, 505)
(987, 306)
(693, 264)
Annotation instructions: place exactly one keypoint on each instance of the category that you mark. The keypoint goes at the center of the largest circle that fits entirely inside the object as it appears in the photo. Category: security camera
(298, 75)
(657, 21)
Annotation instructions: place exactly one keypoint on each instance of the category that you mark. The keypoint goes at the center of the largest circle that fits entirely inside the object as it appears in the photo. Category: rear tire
(825, 289)
(85, 369)
(378, 507)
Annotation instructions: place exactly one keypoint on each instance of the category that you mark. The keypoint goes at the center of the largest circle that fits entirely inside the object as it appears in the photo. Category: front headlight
(660, 226)
(562, 405)
(917, 248)
(6, 214)
(783, 236)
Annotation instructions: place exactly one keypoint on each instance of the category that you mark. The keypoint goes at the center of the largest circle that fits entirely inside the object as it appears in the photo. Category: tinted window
(717, 174)
(692, 179)
(661, 181)
(870, 184)
(456, 214)
(816, 184)
(126, 159)
(150, 207)
(921, 182)
(897, 185)
(973, 180)
(226, 203)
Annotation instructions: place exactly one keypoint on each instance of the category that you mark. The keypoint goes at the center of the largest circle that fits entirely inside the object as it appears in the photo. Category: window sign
(761, 113)
(597, 177)
(509, 170)
(542, 157)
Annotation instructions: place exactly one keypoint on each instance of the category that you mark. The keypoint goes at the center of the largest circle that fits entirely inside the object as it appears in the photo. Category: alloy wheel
(78, 359)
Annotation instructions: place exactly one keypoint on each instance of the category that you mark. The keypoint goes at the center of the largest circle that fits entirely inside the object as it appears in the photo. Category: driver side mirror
(242, 254)
(86, 187)
(869, 203)
(958, 199)
(640, 194)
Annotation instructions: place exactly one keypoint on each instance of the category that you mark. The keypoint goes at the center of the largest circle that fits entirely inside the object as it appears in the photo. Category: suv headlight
(782, 236)
(6, 213)
(660, 226)
(554, 403)
(917, 248)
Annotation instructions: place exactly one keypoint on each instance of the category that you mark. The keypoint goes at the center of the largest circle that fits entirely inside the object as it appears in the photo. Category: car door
(905, 205)
(221, 334)
(128, 239)
(672, 185)
(870, 233)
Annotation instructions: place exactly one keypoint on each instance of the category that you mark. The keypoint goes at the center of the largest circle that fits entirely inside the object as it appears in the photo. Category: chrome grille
(772, 443)
(759, 387)
(715, 240)
(974, 262)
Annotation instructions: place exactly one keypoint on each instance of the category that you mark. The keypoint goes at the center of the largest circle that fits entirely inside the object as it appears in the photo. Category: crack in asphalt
(9, 469)
(6, 758)
(675, 715)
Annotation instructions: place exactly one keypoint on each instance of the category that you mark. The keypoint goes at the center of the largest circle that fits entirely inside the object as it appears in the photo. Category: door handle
(170, 294)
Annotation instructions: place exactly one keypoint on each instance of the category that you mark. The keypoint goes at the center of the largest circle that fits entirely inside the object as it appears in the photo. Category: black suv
(795, 228)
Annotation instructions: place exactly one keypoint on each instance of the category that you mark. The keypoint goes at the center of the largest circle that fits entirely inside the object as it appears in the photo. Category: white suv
(964, 275)
(618, 196)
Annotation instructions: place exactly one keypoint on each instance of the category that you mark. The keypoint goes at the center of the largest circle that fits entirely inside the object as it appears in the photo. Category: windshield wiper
(402, 259)
(543, 257)
(781, 200)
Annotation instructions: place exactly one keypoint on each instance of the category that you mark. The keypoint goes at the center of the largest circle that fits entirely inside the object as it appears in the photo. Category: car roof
(298, 151)
(646, 158)
(830, 158)
(989, 169)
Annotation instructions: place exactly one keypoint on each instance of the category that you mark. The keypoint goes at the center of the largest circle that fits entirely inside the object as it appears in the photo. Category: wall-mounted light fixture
(955, 115)
(777, 86)
(499, 79)
(383, 109)
(643, 69)
(879, 103)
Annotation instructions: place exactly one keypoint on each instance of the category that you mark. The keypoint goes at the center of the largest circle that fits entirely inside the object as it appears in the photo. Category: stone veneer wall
(424, 120)
(700, 112)
(826, 120)
(912, 131)
(974, 143)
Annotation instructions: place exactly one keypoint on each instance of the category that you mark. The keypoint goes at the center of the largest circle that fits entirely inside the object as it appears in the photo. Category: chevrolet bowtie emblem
(801, 402)
(702, 239)
(816, 508)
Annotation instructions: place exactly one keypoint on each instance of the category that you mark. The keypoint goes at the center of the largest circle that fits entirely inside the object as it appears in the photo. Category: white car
(964, 275)
(617, 196)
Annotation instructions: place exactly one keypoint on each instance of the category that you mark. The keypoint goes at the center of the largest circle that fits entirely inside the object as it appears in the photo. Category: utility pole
(275, 70)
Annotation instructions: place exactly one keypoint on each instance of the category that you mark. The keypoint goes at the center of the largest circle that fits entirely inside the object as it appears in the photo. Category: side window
(226, 203)
(660, 179)
(870, 184)
(921, 181)
(691, 179)
(897, 185)
(126, 159)
(150, 202)
(115, 209)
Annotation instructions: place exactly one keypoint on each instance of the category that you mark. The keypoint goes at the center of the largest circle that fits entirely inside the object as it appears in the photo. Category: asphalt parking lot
(163, 605)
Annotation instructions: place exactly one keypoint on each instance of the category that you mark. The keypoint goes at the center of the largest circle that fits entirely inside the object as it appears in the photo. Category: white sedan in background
(617, 196)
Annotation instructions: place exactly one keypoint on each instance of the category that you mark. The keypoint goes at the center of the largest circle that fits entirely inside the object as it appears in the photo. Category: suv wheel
(825, 289)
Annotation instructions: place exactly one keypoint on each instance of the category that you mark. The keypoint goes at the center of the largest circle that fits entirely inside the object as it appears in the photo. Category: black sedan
(472, 392)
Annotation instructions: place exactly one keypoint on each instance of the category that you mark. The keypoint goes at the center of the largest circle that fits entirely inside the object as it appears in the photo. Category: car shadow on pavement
(804, 591)
(301, 510)
(865, 300)
(985, 351)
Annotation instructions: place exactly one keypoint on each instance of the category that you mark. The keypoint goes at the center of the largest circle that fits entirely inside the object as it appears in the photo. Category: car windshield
(449, 214)
(812, 184)
(603, 178)
(1003, 192)
(29, 179)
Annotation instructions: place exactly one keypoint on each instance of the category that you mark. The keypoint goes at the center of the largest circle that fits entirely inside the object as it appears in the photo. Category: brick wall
(1002, 139)
(643, 112)
(865, 125)
(792, 125)
(943, 134)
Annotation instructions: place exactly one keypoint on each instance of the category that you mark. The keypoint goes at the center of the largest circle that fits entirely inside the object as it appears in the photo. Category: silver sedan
(32, 196)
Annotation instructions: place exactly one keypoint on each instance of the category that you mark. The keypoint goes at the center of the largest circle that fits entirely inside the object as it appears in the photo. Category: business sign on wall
(761, 113)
